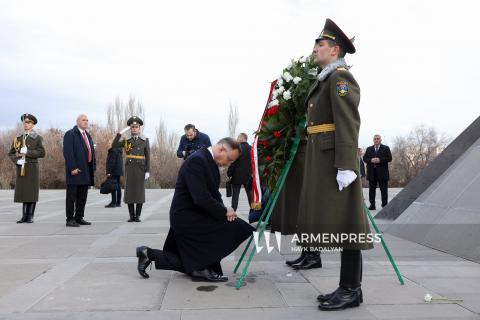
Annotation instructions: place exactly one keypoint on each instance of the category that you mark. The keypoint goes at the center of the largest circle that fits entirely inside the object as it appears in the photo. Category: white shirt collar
(211, 151)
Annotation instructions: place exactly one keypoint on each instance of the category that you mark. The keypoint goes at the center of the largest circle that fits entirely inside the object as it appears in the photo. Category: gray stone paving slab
(258, 292)
(48, 271)
(107, 286)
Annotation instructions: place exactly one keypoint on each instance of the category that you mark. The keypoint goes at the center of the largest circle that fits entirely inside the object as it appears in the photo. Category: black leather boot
(342, 299)
(325, 297)
(131, 212)
(138, 212)
(24, 213)
(143, 261)
(30, 212)
(298, 260)
(349, 293)
(312, 260)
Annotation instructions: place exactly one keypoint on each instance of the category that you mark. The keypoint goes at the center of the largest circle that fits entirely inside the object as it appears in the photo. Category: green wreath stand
(265, 217)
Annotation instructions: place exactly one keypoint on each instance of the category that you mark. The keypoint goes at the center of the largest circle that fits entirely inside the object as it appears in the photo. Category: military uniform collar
(140, 136)
(332, 66)
(33, 134)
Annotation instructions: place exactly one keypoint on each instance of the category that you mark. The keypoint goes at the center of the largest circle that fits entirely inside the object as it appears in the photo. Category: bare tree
(119, 112)
(414, 152)
(232, 120)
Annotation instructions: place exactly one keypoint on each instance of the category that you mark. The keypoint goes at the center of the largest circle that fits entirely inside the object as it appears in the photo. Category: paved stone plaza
(48, 271)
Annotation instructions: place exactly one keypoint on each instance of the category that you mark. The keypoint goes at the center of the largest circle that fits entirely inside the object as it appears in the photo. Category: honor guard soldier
(26, 149)
(137, 165)
(331, 205)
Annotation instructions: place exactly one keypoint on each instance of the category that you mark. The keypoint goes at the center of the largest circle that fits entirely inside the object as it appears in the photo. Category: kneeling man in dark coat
(202, 230)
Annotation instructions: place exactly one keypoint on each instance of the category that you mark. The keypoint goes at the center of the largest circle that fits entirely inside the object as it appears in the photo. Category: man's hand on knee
(231, 215)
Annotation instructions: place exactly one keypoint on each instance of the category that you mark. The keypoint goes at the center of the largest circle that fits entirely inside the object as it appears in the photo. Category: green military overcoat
(27, 186)
(323, 208)
(285, 212)
(137, 163)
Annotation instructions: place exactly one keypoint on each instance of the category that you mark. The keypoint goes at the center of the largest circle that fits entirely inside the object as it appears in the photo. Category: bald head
(82, 122)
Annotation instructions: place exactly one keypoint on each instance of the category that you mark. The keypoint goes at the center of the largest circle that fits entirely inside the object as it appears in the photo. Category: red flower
(265, 143)
(268, 158)
(277, 134)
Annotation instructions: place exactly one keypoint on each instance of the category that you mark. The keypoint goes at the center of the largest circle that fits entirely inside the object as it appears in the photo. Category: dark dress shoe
(298, 260)
(143, 261)
(118, 205)
(132, 219)
(312, 260)
(137, 219)
(110, 205)
(372, 207)
(83, 222)
(343, 298)
(29, 219)
(72, 223)
(325, 297)
(207, 275)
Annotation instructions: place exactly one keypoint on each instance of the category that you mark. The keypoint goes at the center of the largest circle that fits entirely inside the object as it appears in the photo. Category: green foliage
(285, 111)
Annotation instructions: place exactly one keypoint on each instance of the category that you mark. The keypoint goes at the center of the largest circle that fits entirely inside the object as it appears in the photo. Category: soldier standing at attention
(26, 149)
(331, 206)
(137, 166)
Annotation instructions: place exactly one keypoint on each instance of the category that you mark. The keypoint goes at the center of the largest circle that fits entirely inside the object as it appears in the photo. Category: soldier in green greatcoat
(137, 165)
(25, 151)
(285, 212)
(331, 212)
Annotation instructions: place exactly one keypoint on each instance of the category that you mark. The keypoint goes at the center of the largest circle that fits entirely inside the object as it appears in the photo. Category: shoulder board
(342, 69)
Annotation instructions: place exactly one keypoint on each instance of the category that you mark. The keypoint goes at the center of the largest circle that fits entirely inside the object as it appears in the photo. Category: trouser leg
(249, 194)
(235, 194)
(165, 260)
(384, 191)
(82, 193)
(70, 201)
(372, 186)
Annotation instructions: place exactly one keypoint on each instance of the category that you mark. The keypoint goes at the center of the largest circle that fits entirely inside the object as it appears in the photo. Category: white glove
(147, 175)
(124, 130)
(345, 178)
(184, 153)
(20, 162)
(23, 150)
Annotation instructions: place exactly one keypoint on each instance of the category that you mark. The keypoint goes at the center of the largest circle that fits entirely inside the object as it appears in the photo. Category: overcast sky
(416, 61)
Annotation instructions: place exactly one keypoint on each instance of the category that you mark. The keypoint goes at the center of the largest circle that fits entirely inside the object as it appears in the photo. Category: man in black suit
(240, 172)
(79, 154)
(377, 158)
(202, 230)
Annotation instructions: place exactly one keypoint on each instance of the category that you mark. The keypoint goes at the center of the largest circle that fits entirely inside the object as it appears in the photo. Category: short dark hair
(243, 134)
(332, 43)
(189, 126)
(231, 143)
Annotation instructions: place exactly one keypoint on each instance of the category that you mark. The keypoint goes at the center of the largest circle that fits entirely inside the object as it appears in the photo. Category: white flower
(279, 81)
(296, 80)
(280, 90)
(287, 76)
(273, 103)
(287, 95)
(274, 94)
(428, 297)
(290, 65)
(303, 59)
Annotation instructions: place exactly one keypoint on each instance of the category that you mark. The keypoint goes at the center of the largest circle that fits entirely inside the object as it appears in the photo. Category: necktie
(85, 139)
